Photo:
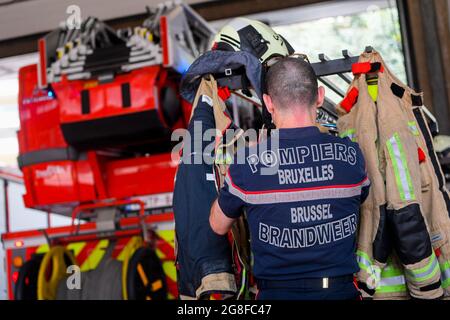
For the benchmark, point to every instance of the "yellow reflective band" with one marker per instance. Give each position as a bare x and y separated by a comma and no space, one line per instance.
427,272
168,236
373,91
169,267
351,134
392,284
401,171
42,248
392,289
445,274
170,270
363,260
391,272
95,256
413,127
159,253
76,247
133,244
223,157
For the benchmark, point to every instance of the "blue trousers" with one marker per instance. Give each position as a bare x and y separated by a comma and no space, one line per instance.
341,291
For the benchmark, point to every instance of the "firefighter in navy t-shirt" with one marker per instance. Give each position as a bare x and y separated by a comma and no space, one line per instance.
302,196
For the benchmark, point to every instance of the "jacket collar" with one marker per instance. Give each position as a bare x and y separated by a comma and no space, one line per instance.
296,133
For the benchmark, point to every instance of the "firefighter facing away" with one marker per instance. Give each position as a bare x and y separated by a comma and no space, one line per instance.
303,218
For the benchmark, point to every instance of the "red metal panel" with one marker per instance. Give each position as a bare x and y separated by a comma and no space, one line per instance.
39,115
140,176
85,252
58,182
9,274
94,166
85,181
106,99
67,182
86,227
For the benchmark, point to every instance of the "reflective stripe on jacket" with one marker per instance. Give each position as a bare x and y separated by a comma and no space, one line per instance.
406,213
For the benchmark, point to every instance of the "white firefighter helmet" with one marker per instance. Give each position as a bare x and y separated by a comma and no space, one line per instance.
255,37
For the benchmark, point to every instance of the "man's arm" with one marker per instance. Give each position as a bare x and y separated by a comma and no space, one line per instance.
219,222
228,207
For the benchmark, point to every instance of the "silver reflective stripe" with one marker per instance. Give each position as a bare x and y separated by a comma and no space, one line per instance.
402,171
392,281
366,183
294,195
363,261
207,99
426,273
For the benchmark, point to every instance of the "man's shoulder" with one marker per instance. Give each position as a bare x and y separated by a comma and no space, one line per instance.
242,158
246,165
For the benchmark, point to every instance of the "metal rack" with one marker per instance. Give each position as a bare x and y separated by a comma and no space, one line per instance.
342,68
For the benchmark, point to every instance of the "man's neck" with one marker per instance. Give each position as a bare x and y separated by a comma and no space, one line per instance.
292,121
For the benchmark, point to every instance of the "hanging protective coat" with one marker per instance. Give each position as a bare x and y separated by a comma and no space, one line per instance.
204,260
405,221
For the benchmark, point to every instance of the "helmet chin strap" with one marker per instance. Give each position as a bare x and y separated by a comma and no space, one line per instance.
267,117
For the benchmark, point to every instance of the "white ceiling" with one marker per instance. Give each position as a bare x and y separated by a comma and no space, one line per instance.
24,17
314,12
9,67
9,116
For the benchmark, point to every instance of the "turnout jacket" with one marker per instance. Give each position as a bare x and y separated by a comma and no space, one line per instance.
403,247
204,259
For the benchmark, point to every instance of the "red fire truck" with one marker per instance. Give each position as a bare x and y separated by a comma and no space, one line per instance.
96,116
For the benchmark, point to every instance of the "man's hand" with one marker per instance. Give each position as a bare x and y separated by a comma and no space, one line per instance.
219,222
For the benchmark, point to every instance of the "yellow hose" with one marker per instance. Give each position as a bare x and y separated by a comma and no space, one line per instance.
134,244
54,258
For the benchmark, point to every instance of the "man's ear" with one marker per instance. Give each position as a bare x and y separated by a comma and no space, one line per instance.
268,102
320,96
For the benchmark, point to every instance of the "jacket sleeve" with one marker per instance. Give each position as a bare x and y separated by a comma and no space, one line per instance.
230,196
365,178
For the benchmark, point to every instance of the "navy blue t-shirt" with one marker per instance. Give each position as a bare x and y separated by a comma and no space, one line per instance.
302,200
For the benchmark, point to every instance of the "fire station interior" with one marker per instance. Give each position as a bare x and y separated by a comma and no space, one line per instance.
87,114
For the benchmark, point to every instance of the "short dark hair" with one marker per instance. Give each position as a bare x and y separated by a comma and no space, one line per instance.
291,82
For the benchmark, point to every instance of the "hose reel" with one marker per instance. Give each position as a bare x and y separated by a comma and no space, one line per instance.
139,276
145,276
26,285
52,270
